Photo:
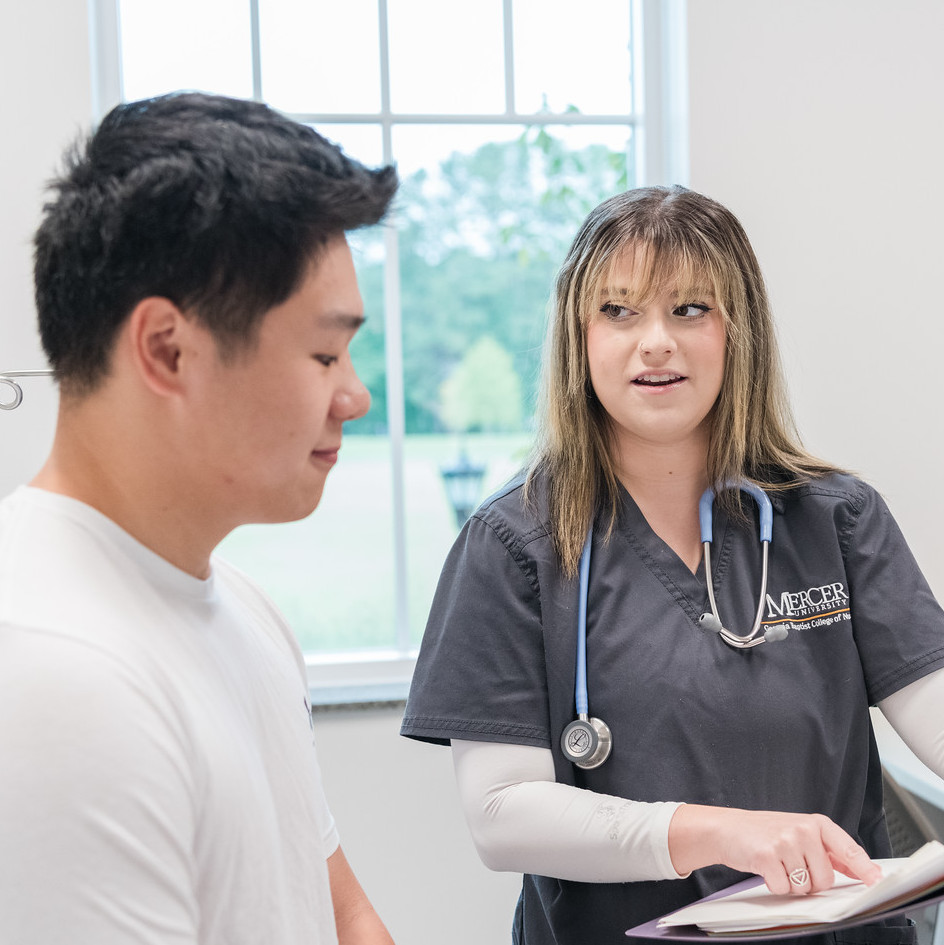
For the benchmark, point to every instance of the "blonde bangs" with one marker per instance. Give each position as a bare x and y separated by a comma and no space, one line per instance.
643,271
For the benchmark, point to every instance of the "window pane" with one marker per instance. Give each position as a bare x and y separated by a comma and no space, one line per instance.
364,143
432,522
185,44
573,55
446,57
320,56
486,216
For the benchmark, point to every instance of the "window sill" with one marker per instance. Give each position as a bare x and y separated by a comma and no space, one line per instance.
359,681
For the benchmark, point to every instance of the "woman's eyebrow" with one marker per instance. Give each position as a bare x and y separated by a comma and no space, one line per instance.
690,292
624,292
613,290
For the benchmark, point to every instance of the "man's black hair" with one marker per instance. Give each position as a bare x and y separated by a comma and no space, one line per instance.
217,204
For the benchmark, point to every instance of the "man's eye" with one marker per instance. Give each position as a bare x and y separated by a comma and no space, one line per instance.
692,310
326,359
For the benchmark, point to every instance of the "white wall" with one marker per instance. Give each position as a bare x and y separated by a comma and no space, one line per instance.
44,71
397,809
819,122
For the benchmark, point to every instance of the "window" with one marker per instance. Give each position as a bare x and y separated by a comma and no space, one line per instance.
509,120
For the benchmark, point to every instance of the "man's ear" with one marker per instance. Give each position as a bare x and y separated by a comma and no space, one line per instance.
160,337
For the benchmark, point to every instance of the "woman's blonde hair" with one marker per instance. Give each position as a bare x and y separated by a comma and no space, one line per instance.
681,240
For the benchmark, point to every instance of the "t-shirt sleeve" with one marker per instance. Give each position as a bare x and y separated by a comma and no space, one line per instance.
899,625
327,826
480,673
97,810
273,622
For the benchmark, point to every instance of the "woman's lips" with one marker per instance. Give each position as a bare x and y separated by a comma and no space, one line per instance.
658,380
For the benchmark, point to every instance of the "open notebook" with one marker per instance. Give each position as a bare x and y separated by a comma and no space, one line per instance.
749,911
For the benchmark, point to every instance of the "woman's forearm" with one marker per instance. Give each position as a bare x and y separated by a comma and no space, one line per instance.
522,820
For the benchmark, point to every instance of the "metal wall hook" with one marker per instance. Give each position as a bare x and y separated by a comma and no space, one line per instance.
7,380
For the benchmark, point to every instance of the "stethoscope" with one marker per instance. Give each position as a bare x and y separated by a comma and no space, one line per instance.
587,741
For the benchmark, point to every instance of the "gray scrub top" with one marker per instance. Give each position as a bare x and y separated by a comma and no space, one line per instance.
784,726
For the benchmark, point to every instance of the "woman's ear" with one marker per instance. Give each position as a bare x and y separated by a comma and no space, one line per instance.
159,336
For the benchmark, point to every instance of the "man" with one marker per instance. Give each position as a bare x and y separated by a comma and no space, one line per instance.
196,300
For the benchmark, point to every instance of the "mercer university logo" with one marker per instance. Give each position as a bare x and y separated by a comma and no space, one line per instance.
817,607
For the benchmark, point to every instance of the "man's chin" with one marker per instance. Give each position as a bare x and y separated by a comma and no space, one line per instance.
283,512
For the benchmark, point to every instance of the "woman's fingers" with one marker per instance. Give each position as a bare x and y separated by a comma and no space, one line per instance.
814,875
781,879
821,875
848,857
810,848
794,853
799,879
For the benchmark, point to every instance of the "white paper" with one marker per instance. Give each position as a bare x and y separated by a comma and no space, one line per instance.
759,908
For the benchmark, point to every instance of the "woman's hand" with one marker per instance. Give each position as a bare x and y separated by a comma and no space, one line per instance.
794,853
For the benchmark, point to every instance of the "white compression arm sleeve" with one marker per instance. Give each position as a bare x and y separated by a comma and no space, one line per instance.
521,820
917,715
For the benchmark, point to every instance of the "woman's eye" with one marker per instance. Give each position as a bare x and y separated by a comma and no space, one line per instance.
692,310
612,310
326,359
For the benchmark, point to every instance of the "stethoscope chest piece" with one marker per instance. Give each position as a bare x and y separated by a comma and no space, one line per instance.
587,742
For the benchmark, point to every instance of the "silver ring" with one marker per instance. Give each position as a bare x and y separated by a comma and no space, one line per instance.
800,876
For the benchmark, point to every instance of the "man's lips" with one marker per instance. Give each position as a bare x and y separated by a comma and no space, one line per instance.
328,455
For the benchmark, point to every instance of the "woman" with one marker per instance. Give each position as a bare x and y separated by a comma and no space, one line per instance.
663,380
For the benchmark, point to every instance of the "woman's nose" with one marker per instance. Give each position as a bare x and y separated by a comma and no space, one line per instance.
656,341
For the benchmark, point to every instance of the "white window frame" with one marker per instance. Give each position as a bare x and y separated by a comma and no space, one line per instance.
659,120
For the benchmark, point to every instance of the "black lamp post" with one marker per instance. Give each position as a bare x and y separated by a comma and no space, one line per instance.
463,482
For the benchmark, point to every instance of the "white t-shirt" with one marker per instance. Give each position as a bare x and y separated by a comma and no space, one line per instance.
158,778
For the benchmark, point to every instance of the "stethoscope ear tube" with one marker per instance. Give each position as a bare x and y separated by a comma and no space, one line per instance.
712,621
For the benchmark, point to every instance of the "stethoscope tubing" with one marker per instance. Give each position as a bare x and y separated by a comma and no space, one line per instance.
705,521
582,700
709,621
